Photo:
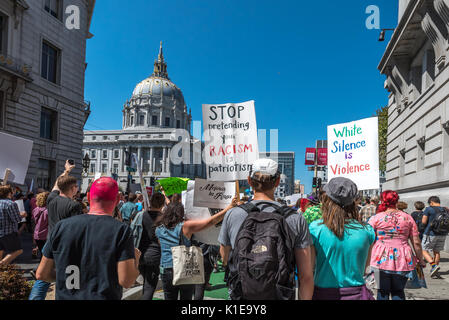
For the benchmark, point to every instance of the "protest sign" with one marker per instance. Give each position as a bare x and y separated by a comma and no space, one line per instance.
15,155
173,185
208,236
213,194
21,208
231,145
353,152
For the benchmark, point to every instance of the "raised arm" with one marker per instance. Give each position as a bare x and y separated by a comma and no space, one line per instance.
192,226
68,169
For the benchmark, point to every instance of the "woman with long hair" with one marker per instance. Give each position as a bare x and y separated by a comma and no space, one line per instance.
341,244
169,232
392,258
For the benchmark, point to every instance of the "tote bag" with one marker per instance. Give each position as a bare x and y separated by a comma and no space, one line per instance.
417,281
188,264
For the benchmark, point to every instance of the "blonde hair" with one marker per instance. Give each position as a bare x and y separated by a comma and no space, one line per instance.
41,199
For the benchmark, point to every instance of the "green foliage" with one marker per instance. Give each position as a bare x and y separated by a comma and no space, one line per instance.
12,284
382,114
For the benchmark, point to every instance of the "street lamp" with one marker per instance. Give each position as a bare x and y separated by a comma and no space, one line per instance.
382,34
86,164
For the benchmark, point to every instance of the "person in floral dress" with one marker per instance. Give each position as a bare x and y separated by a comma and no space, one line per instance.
392,258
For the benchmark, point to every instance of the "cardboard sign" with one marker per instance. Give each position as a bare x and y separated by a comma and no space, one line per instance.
353,152
231,144
213,194
173,185
15,155
208,236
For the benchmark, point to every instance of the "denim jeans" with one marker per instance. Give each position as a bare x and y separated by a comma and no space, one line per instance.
39,291
391,284
171,292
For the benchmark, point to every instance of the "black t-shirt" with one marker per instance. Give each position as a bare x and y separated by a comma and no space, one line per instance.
93,245
61,208
149,245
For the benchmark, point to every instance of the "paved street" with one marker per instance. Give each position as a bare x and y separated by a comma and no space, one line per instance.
438,288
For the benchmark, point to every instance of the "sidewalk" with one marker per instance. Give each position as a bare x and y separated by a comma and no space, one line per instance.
437,288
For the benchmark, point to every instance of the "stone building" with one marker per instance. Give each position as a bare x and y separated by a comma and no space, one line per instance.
153,120
416,64
42,66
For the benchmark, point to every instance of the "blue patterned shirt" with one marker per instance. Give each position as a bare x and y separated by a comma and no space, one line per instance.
9,217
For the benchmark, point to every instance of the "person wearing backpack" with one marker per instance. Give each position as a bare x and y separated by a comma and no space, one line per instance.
436,222
144,231
264,241
417,216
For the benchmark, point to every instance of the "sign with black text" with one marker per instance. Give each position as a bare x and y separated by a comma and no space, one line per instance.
231,145
213,194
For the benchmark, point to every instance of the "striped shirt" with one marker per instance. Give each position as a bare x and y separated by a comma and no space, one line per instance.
9,217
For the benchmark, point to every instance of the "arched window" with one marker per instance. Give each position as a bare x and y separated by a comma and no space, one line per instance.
141,120
132,121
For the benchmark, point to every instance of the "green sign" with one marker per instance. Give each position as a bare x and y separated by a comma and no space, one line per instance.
173,185
129,169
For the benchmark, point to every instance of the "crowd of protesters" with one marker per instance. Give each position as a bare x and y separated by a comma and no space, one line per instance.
335,238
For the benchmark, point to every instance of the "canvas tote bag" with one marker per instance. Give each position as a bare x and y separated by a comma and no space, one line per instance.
188,265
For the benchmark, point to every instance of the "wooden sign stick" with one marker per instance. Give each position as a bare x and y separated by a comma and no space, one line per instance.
5,178
237,190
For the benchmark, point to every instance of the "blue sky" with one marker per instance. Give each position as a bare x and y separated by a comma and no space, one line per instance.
307,64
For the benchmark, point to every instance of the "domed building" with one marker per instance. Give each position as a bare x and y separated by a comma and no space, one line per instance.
153,120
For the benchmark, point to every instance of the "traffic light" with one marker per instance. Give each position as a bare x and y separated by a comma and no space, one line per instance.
314,182
152,181
319,183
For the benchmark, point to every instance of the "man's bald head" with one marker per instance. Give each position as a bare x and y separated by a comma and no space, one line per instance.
104,194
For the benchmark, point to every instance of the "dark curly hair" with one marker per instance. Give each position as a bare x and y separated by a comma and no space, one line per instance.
173,214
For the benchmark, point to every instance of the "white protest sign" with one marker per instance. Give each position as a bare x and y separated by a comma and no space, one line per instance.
213,194
353,152
15,155
21,208
208,236
231,145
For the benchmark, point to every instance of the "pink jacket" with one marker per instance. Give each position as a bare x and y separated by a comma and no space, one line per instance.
40,216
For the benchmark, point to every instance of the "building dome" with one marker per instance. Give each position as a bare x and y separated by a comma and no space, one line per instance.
156,102
157,88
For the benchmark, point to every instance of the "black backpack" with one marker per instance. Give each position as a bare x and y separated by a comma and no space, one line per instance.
262,263
440,224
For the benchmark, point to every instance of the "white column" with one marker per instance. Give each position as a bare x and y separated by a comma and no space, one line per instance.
151,160
164,162
111,156
98,166
160,116
139,156
168,160
121,161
